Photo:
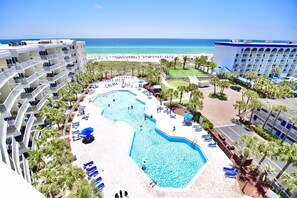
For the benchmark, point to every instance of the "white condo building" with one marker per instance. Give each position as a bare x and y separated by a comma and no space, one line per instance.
31,72
258,57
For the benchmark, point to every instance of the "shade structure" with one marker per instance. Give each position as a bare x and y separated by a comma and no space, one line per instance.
87,131
188,116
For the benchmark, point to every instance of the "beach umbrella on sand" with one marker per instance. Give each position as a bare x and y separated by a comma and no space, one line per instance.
188,116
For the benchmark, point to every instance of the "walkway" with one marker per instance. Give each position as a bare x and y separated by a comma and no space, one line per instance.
110,152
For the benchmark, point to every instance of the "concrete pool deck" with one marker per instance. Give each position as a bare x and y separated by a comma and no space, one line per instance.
111,147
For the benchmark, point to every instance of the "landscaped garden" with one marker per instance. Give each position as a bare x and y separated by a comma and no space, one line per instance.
189,71
179,82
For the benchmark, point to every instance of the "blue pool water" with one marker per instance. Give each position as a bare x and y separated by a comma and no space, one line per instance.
170,162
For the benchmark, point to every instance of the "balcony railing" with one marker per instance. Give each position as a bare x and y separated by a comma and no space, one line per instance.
15,155
28,63
8,103
28,129
56,77
39,105
31,78
70,60
58,86
39,121
7,74
53,67
3,155
69,51
16,124
35,92
52,56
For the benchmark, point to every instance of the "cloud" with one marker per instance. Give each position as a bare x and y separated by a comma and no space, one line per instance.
98,6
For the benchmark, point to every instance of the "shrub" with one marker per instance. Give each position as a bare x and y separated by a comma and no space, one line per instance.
206,124
223,96
265,133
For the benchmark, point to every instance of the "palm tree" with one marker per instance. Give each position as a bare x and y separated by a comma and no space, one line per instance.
275,71
280,108
255,104
185,59
223,84
36,160
196,100
192,87
234,74
75,88
212,65
175,61
182,89
251,95
271,108
250,75
293,121
265,149
287,152
84,189
241,106
243,90
291,182
170,93
247,144
196,61
214,82
268,169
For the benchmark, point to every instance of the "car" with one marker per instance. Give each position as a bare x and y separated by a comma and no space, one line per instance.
235,87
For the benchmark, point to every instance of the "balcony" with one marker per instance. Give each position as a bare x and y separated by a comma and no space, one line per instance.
35,136
53,67
58,86
57,97
57,76
68,51
29,126
28,63
70,60
6,75
30,79
70,67
39,104
8,103
3,150
15,156
34,92
15,125
52,56
39,121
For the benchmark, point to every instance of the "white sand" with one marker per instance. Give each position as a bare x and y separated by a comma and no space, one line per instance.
110,152
144,57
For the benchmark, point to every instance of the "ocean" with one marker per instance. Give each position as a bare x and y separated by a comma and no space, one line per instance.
144,46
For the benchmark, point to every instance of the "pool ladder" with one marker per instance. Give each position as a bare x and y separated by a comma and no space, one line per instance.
153,183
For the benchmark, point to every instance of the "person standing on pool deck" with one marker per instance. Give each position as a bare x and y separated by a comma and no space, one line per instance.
131,106
128,107
173,128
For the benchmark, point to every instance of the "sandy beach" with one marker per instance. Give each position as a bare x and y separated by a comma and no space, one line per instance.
143,57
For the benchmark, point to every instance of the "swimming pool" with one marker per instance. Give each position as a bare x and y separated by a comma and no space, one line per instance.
170,162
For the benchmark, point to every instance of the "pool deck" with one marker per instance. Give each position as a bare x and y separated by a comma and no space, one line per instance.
111,147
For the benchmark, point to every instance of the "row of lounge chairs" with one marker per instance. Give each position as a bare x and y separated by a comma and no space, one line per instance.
198,127
111,85
208,138
92,91
230,172
91,172
113,80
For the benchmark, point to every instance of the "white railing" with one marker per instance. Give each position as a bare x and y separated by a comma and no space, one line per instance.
21,113
39,121
53,67
15,155
28,63
7,105
3,150
56,77
34,93
40,104
26,170
6,75
29,125
59,86
35,136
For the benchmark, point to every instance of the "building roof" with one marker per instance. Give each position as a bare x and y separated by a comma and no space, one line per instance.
258,44
290,103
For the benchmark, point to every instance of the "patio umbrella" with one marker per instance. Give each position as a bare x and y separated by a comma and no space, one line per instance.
87,131
94,83
188,116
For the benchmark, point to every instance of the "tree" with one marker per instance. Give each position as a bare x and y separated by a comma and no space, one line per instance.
185,59
287,152
175,61
170,93
223,84
36,160
214,82
196,100
241,106
251,95
291,182
275,71
293,121
84,189
268,169
212,66
192,87
182,89
255,104
250,75
280,108
234,74
196,62
271,108
247,144
265,149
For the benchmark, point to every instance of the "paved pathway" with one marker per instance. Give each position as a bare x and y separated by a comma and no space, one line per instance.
110,152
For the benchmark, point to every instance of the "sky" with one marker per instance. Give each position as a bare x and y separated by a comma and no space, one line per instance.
209,19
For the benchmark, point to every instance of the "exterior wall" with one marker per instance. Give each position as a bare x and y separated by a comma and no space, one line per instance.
243,57
282,125
29,74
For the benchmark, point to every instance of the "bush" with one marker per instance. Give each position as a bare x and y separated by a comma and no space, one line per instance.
265,133
206,124
223,96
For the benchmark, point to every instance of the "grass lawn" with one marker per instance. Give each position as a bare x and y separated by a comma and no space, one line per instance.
179,82
189,71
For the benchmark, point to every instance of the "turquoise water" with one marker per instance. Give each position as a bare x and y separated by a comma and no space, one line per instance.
170,162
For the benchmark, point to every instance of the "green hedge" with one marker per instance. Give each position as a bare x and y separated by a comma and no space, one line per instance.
206,124
223,96
265,133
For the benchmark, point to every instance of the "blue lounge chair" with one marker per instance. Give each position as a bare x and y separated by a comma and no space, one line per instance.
230,169
198,129
208,139
214,144
75,124
90,175
206,136
91,169
97,180
76,132
231,174
100,186
90,163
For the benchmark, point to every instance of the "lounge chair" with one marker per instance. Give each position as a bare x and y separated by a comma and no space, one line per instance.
90,175
208,139
205,136
90,163
97,180
198,129
75,132
100,186
230,169
214,144
231,174
91,169
75,124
